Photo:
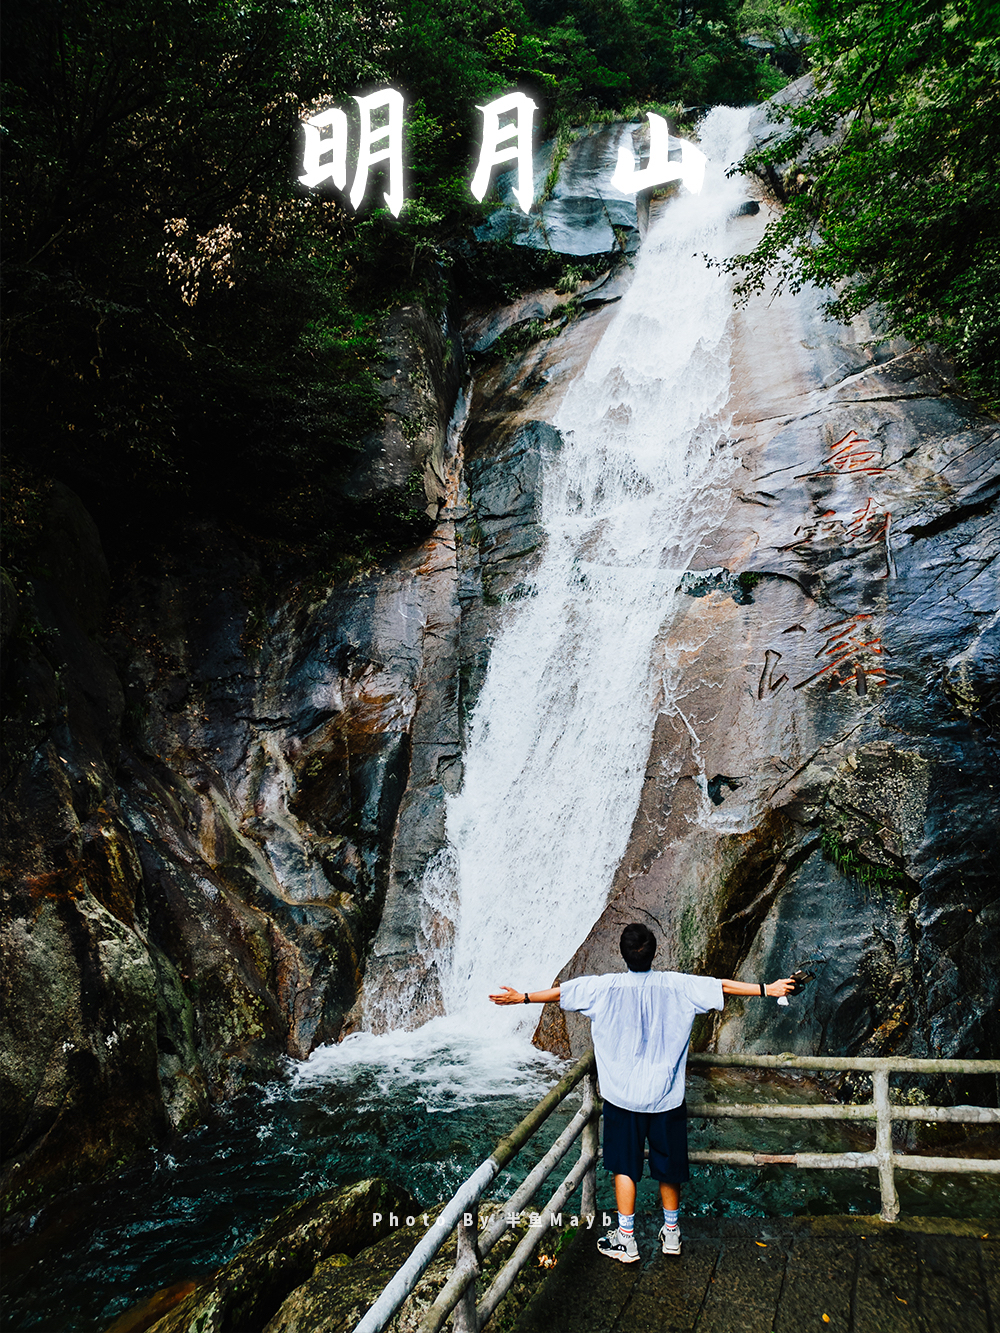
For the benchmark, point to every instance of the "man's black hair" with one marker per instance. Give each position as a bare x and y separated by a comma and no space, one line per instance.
638,946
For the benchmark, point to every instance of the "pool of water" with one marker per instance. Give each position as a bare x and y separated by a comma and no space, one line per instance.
425,1122
421,1109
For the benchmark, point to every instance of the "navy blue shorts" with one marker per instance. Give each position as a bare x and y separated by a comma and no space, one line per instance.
625,1136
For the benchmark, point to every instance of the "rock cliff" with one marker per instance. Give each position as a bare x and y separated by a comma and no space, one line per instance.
222,791
203,778
826,786
222,788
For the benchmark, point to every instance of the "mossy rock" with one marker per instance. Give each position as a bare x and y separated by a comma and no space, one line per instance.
337,1296
319,1234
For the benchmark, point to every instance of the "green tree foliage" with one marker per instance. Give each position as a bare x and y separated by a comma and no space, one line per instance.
184,325
699,59
178,323
775,24
889,175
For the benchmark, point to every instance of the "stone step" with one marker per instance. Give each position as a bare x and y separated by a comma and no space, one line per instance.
842,1274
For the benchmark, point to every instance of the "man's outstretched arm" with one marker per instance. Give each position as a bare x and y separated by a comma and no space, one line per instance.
787,986
509,996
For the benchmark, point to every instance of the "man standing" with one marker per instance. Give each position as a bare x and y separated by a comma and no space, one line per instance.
641,1025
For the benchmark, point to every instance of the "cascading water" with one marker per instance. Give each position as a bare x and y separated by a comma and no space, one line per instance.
561,730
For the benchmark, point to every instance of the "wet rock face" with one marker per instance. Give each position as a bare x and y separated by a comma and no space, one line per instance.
80,985
831,791
583,210
276,837
320,1236
202,781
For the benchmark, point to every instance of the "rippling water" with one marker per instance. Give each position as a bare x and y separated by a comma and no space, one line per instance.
364,1108
176,1214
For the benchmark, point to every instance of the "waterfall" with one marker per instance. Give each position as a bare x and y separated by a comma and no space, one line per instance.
560,734
561,730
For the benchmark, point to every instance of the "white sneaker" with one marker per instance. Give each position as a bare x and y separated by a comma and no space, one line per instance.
617,1246
670,1239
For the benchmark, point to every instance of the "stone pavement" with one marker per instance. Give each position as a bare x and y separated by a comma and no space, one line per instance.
786,1275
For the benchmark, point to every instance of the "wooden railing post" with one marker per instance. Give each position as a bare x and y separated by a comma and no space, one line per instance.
467,1255
589,1141
462,1209
883,1145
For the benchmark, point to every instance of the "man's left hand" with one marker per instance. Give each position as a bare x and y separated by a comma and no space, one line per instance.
787,986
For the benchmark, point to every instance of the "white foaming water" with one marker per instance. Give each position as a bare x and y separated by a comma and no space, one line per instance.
560,734
561,731
446,1065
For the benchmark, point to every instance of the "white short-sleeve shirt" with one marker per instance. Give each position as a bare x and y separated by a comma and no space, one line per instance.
641,1026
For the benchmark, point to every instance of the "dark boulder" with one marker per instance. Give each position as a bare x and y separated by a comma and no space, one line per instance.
314,1237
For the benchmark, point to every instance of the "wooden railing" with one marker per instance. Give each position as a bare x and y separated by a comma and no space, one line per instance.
462,1212
458,1297
880,1109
